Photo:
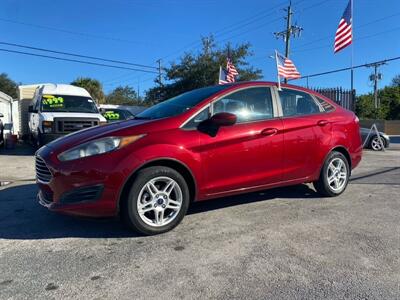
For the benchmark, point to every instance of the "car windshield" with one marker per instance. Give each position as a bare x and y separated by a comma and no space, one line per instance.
67,103
113,115
179,104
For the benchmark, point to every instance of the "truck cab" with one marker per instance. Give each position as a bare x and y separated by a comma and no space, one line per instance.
59,109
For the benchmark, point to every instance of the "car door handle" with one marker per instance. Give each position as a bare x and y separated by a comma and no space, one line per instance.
269,131
322,122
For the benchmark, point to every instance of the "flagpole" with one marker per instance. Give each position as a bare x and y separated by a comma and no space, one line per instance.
277,70
352,48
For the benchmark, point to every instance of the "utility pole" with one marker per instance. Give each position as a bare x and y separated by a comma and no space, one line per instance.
375,77
289,31
159,72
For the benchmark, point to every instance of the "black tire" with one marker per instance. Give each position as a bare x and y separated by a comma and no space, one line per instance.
375,139
129,211
322,186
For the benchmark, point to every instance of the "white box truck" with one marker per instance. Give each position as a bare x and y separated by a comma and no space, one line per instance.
5,116
58,109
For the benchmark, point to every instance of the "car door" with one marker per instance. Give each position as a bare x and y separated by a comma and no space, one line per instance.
306,129
248,153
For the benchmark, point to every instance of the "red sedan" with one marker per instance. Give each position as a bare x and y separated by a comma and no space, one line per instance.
207,143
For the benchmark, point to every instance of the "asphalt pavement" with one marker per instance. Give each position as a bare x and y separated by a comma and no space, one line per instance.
285,243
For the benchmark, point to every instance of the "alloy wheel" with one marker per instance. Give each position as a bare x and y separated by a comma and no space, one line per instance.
337,174
375,144
159,201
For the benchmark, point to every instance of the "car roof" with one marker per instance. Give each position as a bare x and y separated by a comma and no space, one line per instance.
64,89
283,85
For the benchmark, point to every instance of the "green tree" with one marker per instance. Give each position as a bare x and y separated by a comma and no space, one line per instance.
123,95
93,86
8,86
396,81
196,70
389,108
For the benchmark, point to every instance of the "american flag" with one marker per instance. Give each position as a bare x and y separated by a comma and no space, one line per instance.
286,67
231,71
344,33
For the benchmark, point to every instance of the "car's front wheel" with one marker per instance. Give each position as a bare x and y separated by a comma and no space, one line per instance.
334,175
157,202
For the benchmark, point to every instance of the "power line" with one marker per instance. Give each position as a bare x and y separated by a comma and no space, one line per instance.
356,39
357,27
223,31
349,68
253,20
76,61
78,55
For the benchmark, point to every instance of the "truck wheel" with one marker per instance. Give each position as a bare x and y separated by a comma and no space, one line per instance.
157,202
334,175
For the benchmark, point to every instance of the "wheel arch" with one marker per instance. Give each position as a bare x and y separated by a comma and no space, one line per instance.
340,149
172,163
344,151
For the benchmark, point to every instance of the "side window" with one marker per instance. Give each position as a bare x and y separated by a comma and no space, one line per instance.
325,105
250,104
296,103
201,116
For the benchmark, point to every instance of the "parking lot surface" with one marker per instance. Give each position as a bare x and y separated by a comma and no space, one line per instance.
285,243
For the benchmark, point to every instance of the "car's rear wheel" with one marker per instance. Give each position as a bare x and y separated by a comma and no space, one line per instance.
375,144
157,202
334,175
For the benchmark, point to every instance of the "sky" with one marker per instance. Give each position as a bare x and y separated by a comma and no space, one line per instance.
143,31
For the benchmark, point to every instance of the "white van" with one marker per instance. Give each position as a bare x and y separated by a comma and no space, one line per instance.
59,109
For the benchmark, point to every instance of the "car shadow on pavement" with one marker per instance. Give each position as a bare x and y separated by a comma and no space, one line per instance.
21,217
290,192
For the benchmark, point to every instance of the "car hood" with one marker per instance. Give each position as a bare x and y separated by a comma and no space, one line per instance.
82,136
49,116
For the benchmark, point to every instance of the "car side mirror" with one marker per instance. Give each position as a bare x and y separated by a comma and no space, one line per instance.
212,125
31,110
223,119
1,115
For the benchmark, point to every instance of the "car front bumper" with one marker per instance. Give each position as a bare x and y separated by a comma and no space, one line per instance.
88,187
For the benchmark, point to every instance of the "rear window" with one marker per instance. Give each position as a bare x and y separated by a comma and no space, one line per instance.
325,105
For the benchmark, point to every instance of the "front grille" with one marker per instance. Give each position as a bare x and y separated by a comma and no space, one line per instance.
73,124
89,193
43,173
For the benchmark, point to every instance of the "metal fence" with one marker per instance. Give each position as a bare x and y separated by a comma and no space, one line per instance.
343,97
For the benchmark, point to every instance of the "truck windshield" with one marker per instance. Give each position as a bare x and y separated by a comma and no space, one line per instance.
179,104
67,103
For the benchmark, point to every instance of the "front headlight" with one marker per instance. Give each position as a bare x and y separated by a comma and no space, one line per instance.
99,146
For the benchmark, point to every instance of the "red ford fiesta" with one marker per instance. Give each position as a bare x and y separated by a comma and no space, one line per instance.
207,143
